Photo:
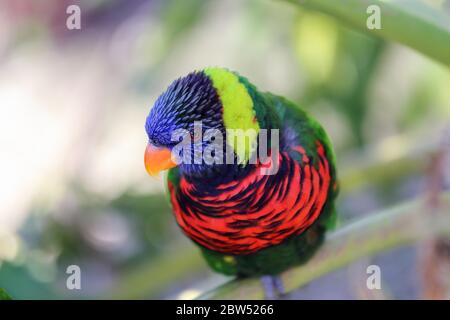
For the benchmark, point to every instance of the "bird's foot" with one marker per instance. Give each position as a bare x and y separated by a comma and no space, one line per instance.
273,287
278,283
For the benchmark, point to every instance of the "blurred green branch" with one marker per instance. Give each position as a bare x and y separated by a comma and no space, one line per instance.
404,224
370,170
411,22
4,295
153,276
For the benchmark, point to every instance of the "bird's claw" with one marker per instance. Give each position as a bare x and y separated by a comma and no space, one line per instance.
273,287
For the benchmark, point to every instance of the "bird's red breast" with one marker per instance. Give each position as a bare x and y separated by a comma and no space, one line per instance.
258,211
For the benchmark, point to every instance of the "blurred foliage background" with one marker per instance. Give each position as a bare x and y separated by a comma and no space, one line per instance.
73,103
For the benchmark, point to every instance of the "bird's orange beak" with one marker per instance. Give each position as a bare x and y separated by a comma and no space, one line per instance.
157,159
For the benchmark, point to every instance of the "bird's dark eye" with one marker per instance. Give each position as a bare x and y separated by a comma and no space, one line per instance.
154,142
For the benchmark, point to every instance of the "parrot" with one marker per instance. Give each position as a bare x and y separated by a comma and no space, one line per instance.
247,221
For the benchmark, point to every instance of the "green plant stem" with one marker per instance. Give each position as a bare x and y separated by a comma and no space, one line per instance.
4,295
410,22
372,171
153,276
404,224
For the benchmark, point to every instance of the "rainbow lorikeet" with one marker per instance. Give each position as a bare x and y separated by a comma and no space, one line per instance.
246,222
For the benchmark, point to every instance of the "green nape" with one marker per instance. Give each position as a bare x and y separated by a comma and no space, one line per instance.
238,112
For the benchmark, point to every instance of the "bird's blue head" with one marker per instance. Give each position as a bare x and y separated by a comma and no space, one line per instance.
215,98
186,100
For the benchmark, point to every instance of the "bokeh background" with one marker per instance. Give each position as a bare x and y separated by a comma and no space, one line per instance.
73,189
